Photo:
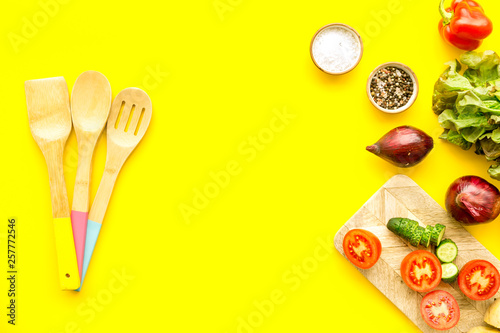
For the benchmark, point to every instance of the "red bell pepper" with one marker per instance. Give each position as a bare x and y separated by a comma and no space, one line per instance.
464,24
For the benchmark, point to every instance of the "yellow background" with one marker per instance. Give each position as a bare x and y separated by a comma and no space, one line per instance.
222,73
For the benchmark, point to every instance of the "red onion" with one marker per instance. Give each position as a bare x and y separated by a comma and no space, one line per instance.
403,146
472,200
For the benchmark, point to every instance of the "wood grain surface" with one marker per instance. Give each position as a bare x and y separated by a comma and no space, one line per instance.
402,197
49,115
128,121
90,106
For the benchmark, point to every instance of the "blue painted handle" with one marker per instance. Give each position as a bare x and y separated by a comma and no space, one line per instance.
93,229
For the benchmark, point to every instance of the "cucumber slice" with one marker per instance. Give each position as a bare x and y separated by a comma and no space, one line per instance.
426,237
437,234
450,272
402,226
417,235
394,225
408,231
447,251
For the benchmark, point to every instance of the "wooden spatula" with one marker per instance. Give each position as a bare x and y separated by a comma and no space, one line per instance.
128,121
90,105
50,124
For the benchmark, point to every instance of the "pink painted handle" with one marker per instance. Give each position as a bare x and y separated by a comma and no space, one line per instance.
79,223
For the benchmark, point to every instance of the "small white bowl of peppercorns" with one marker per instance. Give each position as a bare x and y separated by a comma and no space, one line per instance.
392,87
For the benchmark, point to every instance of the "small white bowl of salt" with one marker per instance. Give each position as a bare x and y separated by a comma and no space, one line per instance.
336,48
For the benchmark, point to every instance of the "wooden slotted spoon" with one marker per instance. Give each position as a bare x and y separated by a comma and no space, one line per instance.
49,116
128,121
90,105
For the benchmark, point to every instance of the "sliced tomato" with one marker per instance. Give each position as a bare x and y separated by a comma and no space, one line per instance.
421,271
440,310
362,248
479,280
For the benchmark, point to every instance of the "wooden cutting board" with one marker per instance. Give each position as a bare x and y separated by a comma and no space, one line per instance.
402,197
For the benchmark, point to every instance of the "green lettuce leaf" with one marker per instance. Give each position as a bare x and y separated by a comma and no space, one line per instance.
494,119
494,172
447,87
468,105
479,150
482,67
448,119
457,139
470,102
451,80
492,105
495,135
472,134
490,148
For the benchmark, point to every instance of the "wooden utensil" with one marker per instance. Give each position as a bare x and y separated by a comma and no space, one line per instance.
90,105
402,197
128,121
49,116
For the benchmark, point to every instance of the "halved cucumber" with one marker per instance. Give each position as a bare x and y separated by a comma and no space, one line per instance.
410,228
396,225
447,251
417,235
437,234
426,237
450,272
393,224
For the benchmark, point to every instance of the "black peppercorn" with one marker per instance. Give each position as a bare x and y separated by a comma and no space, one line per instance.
392,86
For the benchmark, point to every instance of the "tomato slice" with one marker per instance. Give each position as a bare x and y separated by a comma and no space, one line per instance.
421,271
440,310
362,248
479,280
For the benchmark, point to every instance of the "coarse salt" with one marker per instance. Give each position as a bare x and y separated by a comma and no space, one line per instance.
336,49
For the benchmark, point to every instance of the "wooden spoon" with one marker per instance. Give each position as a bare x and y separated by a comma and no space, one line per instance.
90,105
50,124
128,121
